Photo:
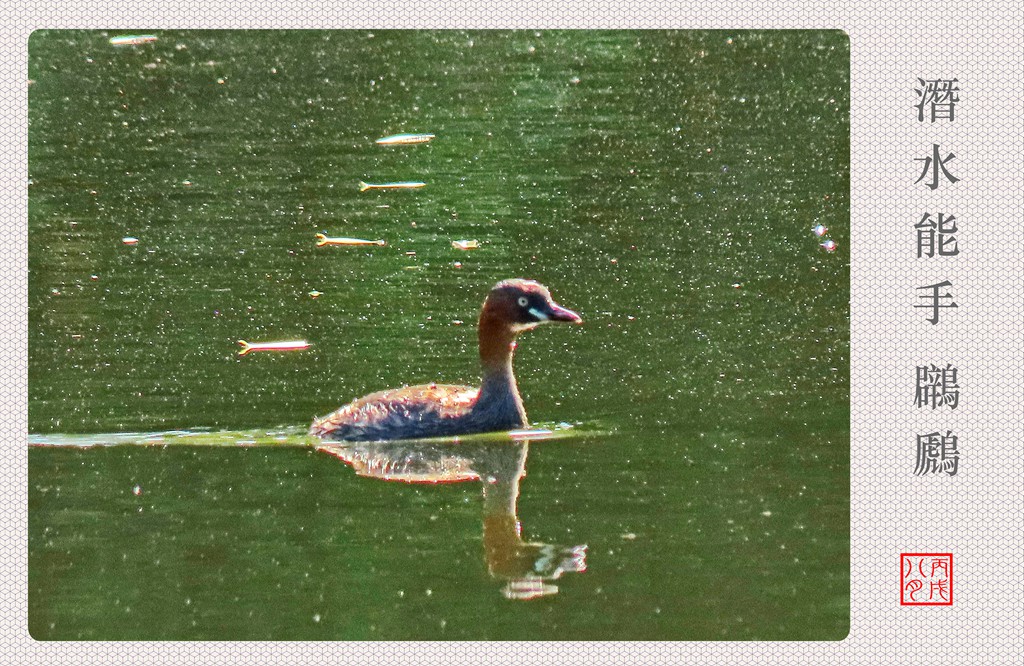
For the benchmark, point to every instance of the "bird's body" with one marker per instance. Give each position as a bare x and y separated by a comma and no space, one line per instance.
441,410
430,410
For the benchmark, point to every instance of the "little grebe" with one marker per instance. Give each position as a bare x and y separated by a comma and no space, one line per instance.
436,410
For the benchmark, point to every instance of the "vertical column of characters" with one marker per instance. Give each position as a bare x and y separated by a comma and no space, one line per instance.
936,241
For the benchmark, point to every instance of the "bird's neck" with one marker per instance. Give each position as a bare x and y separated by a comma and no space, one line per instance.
497,345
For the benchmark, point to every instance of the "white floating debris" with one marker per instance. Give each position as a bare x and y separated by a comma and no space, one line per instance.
132,40
287,345
404,139
322,240
405,185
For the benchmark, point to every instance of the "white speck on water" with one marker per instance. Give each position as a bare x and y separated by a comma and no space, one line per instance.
137,490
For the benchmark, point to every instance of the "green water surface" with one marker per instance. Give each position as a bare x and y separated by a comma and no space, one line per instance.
662,184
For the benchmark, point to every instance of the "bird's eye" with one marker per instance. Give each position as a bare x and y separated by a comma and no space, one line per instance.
523,302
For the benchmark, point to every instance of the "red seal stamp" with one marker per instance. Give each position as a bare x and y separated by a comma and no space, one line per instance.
926,579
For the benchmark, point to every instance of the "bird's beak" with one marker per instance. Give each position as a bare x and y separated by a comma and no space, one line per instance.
557,313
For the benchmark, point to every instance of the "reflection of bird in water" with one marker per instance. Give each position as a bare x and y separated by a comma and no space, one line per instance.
437,410
527,567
